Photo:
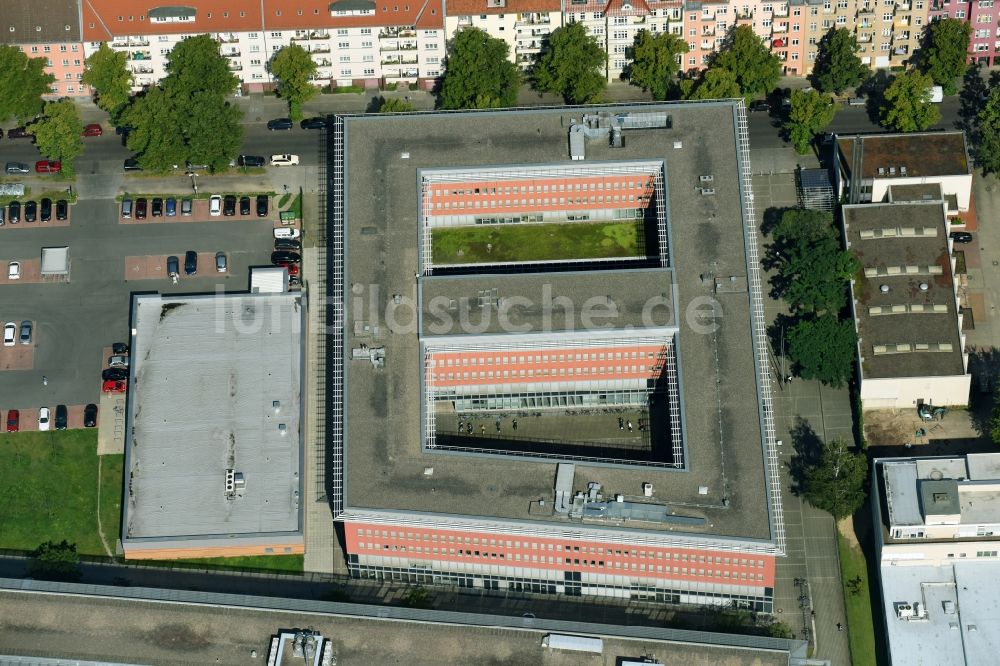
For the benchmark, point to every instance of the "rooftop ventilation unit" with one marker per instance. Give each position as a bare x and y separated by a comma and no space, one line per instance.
235,483
647,490
707,191
924,286
892,171
881,171
706,179
884,288
902,170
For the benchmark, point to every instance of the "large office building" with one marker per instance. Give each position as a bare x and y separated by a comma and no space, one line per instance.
937,522
551,374
213,458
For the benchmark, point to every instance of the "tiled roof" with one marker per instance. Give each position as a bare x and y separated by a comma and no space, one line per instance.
626,8
467,7
105,19
36,21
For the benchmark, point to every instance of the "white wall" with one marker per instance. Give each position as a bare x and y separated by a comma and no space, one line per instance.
904,392
960,186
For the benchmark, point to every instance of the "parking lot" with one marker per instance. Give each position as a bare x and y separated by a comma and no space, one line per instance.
77,318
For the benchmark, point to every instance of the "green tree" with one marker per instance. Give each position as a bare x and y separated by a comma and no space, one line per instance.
838,66
944,52
713,83
809,114
23,81
823,348
293,66
478,74
988,148
109,76
395,105
156,121
756,69
908,106
213,130
836,483
196,64
416,597
55,561
654,61
58,134
571,64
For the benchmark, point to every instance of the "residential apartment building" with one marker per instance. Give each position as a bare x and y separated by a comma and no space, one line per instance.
49,30
984,19
523,24
353,42
937,522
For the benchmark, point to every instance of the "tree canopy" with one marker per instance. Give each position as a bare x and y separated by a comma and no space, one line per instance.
988,121
755,68
712,83
943,53
836,482
55,561
838,66
571,64
23,81
809,114
293,66
823,348
196,64
108,74
907,106
478,74
395,105
653,61
58,133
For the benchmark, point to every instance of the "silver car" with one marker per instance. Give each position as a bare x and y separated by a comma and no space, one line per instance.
15,168
26,332
221,264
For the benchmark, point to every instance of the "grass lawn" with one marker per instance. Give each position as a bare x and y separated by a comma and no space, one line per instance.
278,563
48,490
859,609
536,242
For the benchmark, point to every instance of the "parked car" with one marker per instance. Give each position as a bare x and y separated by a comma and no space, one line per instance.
123,130
48,166
283,256
173,269
313,123
118,361
262,200
9,334
14,270
132,164
250,161
119,348
19,133
287,244
62,417
90,416
15,168
26,332
157,207
127,206
961,236
45,209
221,263
13,420
114,374
215,205
62,209
284,160
43,419
229,205
14,212
3,214
140,209
30,211
114,386
760,105
186,206
93,129
287,232
171,207
292,267
191,262
244,205
280,124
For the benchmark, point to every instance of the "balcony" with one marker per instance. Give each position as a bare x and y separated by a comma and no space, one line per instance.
528,19
402,74
319,34
235,67
231,53
901,50
300,36
902,37
125,43
391,33
529,45
227,38
323,63
866,10
864,38
902,6
902,21
779,28
463,22
708,31
319,49
142,69
140,55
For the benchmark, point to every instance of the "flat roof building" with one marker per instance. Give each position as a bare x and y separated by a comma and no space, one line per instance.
213,459
911,345
553,369
937,525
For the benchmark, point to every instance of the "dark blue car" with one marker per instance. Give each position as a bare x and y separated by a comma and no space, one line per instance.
190,262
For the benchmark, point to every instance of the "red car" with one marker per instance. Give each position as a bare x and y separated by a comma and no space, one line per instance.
293,268
93,129
48,166
13,420
113,386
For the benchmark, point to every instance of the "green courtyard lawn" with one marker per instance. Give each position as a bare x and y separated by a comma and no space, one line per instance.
48,490
857,601
275,563
536,242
